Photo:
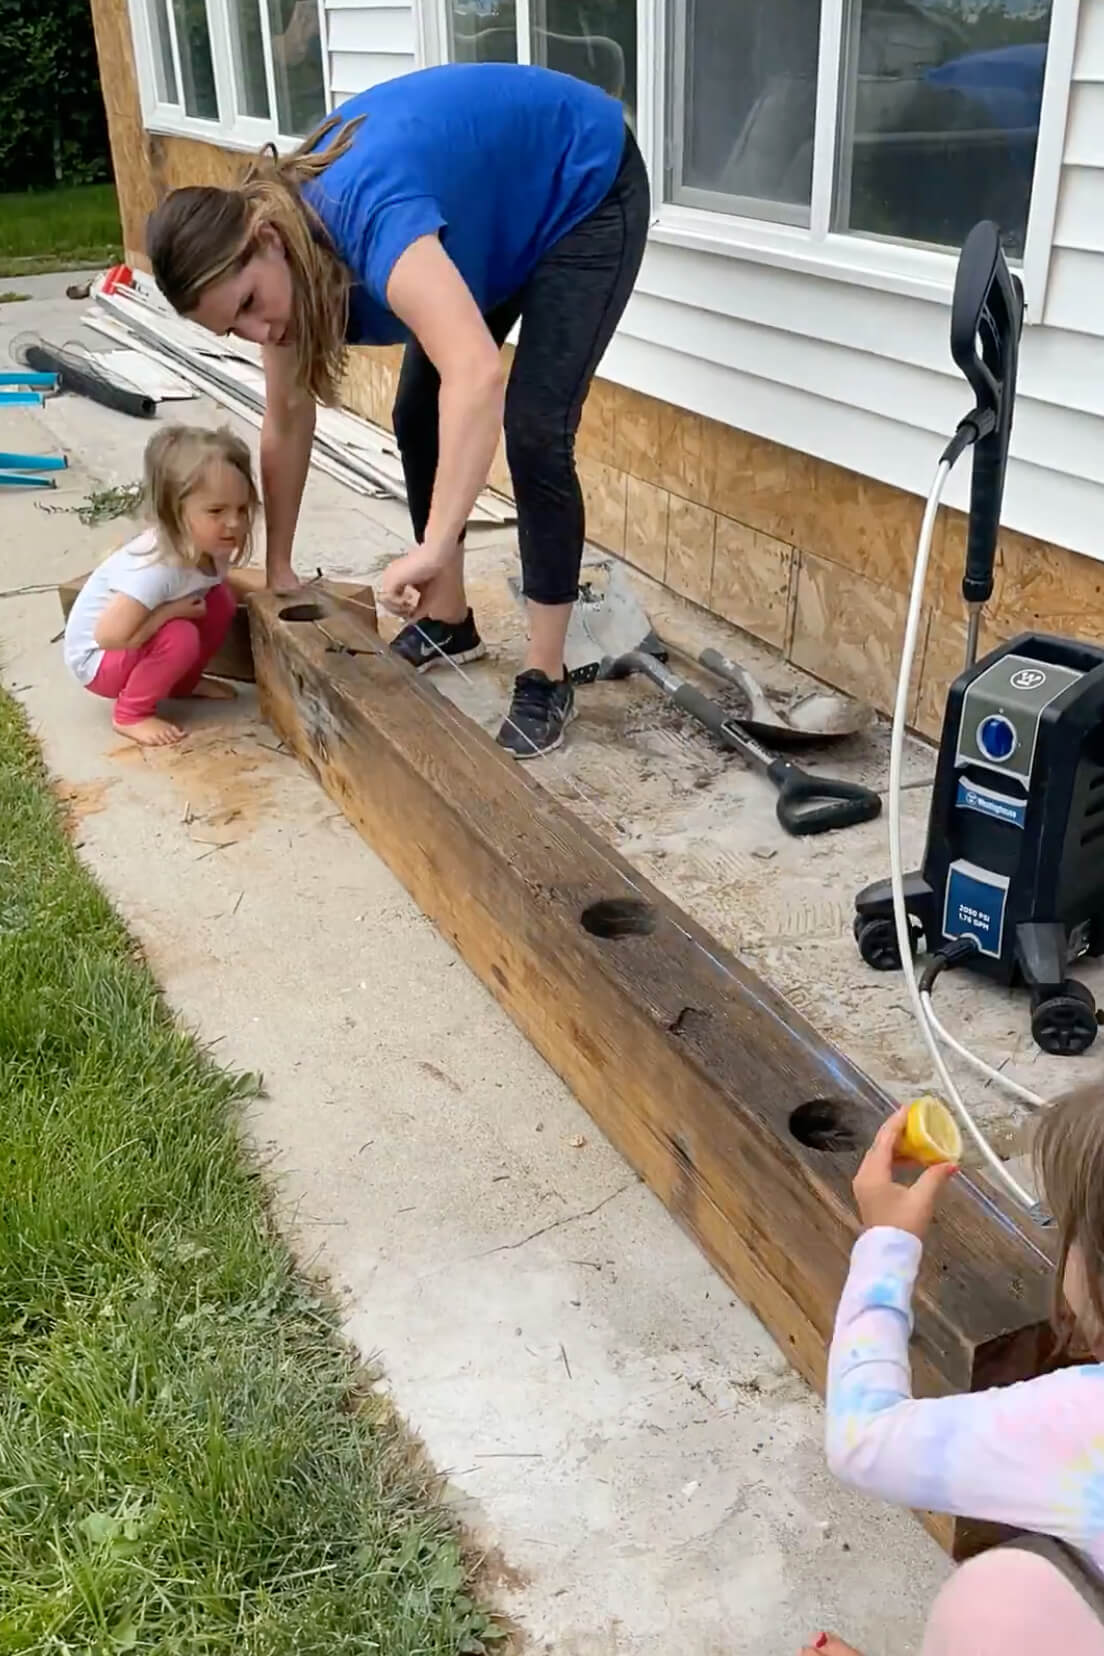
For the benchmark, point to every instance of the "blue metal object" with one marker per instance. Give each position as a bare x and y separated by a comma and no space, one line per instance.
25,471
34,462
30,388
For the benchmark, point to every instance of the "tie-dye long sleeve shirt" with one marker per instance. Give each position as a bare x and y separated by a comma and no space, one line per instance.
1030,1455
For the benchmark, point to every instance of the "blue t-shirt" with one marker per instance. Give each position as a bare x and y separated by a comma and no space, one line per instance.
499,159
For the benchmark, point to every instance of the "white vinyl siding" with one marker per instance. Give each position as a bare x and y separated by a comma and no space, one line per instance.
368,43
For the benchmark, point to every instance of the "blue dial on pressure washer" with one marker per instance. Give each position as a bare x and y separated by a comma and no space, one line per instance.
996,738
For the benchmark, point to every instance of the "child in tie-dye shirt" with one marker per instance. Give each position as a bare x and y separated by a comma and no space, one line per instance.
1030,1456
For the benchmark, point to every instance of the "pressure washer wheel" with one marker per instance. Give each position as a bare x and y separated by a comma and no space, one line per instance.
877,940
1066,1024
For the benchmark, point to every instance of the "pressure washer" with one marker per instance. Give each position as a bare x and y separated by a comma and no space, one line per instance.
1012,881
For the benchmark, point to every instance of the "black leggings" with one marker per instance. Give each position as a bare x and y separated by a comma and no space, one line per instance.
569,309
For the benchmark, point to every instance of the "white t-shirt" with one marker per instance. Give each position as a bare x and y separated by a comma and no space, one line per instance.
136,571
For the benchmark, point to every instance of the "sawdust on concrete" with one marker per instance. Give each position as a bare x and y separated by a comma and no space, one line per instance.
82,799
225,781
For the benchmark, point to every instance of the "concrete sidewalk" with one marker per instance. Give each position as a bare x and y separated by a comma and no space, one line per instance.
624,1439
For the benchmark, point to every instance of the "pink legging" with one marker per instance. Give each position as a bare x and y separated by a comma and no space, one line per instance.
169,664
1009,1602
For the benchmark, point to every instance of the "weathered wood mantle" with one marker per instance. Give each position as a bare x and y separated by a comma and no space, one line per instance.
688,1062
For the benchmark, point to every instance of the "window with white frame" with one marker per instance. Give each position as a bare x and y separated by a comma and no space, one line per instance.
248,68
932,113
593,39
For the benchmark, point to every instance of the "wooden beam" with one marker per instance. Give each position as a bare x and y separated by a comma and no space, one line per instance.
704,1077
234,660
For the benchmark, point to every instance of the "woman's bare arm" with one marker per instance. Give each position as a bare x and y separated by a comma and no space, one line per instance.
428,294
286,437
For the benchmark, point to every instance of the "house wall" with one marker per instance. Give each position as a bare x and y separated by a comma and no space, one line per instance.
781,488
369,41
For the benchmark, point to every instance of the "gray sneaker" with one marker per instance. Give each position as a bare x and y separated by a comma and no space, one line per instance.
540,711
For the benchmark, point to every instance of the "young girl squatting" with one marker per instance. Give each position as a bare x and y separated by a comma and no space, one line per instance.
149,619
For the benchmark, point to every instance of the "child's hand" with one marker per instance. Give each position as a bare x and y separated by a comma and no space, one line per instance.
883,1202
192,608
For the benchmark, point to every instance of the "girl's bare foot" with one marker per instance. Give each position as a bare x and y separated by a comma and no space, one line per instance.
151,732
212,689
828,1645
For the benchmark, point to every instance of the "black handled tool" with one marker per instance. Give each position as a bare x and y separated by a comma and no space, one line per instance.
807,804
986,322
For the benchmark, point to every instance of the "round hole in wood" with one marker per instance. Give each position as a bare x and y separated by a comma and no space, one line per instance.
302,612
619,917
827,1124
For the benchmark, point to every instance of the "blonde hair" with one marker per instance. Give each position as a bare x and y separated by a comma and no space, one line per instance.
200,235
1069,1161
177,459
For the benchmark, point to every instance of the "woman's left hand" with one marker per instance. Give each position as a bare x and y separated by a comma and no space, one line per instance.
405,584
881,1200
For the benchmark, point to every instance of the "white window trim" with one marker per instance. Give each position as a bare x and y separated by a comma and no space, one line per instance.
1049,153
864,261
235,131
429,33
918,272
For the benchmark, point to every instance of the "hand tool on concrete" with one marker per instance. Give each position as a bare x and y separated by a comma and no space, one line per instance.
610,636
807,804
807,717
609,620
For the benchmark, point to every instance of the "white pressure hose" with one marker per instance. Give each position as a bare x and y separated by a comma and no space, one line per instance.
1024,1094
921,1004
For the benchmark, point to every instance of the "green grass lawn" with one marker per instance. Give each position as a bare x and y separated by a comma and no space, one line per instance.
189,1460
59,230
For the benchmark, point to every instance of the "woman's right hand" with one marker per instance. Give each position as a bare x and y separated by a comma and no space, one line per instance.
881,1200
406,585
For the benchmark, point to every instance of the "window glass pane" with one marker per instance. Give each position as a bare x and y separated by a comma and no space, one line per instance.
297,66
196,69
596,42
482,31
743,91
940,117
163,68
247,42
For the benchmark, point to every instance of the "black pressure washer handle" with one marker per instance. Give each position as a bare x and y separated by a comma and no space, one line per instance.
842,804
986,322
